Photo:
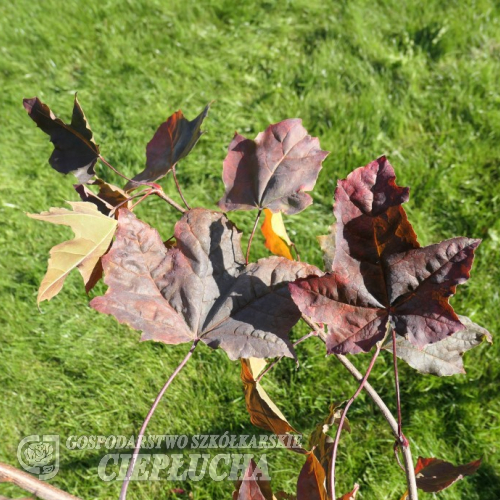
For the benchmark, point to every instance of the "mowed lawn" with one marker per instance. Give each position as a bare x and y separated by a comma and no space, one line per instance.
417,81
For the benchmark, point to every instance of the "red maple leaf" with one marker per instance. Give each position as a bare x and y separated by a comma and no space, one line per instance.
380,274
200,289
273,171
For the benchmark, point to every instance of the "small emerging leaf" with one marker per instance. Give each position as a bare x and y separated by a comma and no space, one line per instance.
321,442
444,358
274,231
93,234
274,171
435,475
351,495
75,150
173,141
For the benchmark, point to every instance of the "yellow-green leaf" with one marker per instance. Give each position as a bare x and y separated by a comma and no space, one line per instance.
93,234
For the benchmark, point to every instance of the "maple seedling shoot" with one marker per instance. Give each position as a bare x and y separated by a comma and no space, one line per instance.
379,290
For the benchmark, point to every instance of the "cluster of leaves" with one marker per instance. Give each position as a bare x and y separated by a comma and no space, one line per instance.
433,475
199,285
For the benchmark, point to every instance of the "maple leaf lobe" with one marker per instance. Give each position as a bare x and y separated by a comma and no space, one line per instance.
443,358
373,188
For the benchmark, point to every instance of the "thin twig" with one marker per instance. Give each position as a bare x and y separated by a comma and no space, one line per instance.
343,416
276,361
169,200
27,482
402,438
297,255
114,169
252,234
123,492
145,195
177,185
407,457
157,188
396,455
111,213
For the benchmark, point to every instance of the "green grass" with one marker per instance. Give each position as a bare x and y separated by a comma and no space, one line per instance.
416,81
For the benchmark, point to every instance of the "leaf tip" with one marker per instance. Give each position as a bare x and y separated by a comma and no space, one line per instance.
28,103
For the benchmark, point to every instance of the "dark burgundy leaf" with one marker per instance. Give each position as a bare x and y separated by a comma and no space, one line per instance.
173,141
311,483
74,148
273,171
200,289
379,273
254,485
434,475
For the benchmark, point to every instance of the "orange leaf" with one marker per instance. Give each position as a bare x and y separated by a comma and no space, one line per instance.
351,495
274,232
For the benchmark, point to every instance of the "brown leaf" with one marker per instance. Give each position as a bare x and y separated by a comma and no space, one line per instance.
253,367
274,171
311,483
254,485
93,234
173,141
379,273
75,150
444,358
351,495
263,412
96,275
274,231
435,475
108,197
201,289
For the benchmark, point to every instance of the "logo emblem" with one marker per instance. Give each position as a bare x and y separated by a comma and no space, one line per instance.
39,455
